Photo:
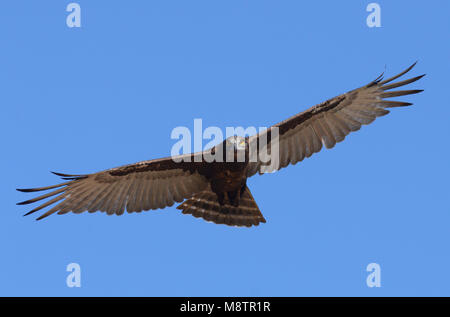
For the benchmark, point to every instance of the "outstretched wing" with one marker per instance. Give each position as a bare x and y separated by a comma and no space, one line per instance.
136,187
327,123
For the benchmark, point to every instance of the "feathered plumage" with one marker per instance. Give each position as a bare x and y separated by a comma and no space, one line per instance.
218,191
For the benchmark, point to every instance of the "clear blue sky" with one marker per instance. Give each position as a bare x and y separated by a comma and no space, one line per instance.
110,93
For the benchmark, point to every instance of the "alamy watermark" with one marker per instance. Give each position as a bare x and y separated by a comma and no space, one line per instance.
74,278
374,18
374,278
241,145
74,17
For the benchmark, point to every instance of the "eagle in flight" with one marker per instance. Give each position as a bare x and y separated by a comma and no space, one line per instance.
217,190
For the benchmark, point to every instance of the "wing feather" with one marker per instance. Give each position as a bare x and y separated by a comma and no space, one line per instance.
331,121
146,203
136,187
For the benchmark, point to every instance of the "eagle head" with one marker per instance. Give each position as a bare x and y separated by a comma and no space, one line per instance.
238,143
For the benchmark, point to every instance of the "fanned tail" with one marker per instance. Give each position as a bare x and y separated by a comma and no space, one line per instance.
206,205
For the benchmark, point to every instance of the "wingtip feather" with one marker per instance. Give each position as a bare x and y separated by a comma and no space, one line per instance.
29,213
66,175
398,75
24,190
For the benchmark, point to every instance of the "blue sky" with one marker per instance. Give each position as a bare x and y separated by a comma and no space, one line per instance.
80,100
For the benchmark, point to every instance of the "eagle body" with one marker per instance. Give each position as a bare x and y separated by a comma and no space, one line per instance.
228,182
227,199
216,190
229,177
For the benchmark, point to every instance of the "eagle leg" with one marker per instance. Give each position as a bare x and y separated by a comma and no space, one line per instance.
221,198
233,197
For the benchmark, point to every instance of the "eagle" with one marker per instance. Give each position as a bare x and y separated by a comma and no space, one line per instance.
216,190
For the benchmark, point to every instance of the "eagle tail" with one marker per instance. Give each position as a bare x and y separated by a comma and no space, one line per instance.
205,205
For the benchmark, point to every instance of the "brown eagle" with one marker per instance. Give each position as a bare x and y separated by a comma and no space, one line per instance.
217,190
